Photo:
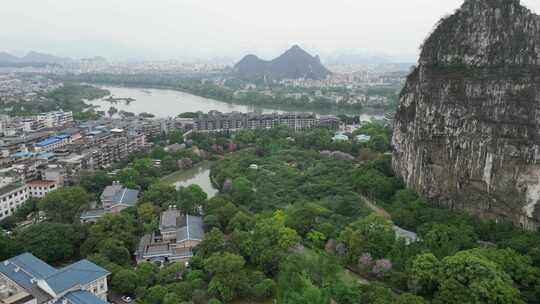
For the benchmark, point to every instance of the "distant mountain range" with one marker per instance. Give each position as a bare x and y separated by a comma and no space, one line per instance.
31,58
293,64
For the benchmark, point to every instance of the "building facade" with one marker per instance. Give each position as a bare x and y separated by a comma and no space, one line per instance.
12,196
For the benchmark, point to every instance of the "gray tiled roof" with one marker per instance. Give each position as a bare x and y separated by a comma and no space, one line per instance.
126,197
169,219
192,231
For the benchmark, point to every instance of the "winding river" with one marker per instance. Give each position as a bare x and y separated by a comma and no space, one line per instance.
169,103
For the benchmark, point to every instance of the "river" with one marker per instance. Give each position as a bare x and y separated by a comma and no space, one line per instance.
198,175
169,103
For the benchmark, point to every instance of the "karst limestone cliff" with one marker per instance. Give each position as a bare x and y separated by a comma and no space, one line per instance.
467,129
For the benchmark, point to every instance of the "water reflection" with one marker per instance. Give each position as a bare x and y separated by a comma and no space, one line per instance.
198,175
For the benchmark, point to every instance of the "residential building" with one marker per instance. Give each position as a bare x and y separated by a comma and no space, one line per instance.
52,143
12,196
25,279
216,121
40,188
177,236
55,119
114,199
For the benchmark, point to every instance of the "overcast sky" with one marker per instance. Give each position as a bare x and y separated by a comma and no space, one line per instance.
190,29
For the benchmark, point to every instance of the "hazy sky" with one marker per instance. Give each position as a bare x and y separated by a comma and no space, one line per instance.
189,29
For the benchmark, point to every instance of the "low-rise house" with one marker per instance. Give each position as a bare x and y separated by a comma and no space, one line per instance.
177,236
340,137
114,199
362,138
25,279
40,188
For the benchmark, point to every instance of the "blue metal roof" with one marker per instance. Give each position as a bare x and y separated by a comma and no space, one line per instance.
51,140
80,273
62,136
82,297
32,265
23,154
46,142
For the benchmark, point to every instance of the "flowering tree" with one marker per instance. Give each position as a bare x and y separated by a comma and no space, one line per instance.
381,267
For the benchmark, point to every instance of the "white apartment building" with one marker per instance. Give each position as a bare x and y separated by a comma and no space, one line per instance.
40,188
56,118
12,196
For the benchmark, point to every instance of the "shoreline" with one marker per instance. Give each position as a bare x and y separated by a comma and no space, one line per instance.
340,109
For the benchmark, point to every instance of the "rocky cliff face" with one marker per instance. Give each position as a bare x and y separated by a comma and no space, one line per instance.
467,130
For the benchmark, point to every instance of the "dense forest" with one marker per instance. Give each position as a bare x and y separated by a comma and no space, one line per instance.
299,219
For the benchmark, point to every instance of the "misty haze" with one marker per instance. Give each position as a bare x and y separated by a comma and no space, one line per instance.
270,152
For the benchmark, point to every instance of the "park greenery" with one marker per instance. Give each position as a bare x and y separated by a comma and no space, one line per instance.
69,97
297,220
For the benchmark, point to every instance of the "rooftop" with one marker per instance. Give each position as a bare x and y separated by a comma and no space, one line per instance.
44,282
41,183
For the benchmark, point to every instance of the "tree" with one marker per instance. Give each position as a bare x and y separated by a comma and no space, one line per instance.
160,194
29,207
129,177
444,240
171,273
191,199
155,295
303,218
374,184
147,273
8,248
147,215
465,278
227,271
115,251
408,298
271,242
372,234
242,191
213,242
241,221
64,204
96,182
122,227
425,271
296,284
125,282
517,266
265,289
51,242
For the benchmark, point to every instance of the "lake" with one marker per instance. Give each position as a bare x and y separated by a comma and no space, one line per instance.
169,103
198,175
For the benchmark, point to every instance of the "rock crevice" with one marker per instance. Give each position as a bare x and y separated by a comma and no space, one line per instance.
467,130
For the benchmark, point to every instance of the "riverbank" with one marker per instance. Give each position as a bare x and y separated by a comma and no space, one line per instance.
198,175
169,103
226,96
